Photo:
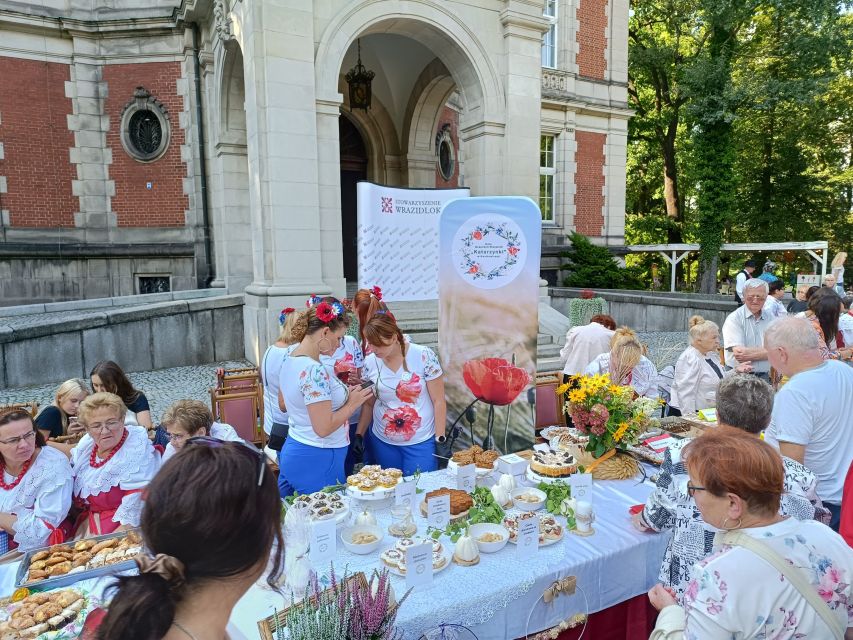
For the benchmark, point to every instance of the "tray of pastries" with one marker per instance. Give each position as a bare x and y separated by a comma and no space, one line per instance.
373,482
460,502
485,461
550,529
59,614
65,564
324,506
395,557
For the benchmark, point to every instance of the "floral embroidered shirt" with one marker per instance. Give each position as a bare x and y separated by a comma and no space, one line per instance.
304,381
736,594
403,411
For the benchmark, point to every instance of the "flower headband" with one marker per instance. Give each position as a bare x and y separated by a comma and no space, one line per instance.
328,311
284,313
376,292
313,300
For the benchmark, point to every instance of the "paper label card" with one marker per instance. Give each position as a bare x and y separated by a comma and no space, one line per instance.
323,542
404,494
438,511
466,478
419,565
581,484
660,443
528,537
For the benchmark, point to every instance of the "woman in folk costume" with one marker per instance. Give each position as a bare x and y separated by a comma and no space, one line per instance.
112,465
35,487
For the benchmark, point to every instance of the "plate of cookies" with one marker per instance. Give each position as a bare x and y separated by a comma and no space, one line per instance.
485,461
395,557
57,613
325,506
65,564
373,482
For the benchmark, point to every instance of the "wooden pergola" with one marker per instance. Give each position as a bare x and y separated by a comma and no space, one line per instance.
675,253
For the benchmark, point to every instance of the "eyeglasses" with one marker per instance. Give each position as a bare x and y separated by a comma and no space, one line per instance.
110,425
691,489
29,435
176,437
755,298
215,443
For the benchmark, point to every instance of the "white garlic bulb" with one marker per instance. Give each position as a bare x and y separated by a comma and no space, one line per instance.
501,495
507,482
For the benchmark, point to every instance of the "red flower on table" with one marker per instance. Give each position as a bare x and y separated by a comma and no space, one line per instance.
401,423
494,380
477,235
409,391
325,313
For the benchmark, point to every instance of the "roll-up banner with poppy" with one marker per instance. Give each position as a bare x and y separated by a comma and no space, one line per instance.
489,319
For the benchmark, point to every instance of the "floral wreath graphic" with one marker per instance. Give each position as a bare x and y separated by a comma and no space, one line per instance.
470,264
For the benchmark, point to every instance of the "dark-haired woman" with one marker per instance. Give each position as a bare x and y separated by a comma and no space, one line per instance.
36,484
210,524
409,410
108,376
113,463
823,312
319,404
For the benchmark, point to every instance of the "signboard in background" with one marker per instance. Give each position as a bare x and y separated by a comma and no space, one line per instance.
398,239
489,316
808,280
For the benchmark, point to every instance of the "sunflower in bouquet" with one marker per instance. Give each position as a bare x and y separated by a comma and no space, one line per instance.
608,413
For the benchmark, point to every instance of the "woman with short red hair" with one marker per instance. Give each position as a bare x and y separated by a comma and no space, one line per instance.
802,569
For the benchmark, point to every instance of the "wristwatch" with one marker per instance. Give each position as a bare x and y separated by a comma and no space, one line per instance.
441,439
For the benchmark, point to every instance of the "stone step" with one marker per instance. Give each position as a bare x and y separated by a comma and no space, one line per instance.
549,364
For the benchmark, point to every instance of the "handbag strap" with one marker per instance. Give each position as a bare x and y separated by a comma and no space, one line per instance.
794,575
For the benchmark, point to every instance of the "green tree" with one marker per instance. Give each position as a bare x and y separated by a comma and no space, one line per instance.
589,265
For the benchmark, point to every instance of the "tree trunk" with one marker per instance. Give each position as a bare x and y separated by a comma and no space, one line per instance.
708,281
671,195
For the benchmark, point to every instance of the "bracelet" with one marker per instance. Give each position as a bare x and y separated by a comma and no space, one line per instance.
441,439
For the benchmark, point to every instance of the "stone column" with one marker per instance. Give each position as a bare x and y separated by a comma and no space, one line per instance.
282,143
329,182
523,26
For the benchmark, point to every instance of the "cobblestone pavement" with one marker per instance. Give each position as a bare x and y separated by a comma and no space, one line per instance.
161,387
164,386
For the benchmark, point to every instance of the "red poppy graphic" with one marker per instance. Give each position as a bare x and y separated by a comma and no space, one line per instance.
345,367
409,391
401,423
325,313
513,251
477,235
494,380
474,268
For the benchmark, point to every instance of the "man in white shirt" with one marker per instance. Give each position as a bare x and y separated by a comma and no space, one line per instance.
811,413
742,276
743,330
585,343
845,321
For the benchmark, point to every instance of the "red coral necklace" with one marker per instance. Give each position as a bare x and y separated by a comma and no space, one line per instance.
93,455
17,480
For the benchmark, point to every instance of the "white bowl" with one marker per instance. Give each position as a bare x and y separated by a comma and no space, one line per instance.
528,506
361,549
477,530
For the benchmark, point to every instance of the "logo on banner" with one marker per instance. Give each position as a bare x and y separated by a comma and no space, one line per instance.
489,251
387,204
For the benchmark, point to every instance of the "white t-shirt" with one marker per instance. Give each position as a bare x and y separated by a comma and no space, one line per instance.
218,430
814,410
403,412
271,374
347,359
305,381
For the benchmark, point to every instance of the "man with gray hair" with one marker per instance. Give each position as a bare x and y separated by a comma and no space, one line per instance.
743,402
743,330
811,413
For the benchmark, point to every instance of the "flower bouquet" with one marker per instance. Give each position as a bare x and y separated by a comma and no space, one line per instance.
608,413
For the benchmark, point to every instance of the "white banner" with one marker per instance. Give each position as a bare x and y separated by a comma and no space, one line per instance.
398,239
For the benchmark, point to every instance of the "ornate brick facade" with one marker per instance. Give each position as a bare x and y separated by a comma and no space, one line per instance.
589,182
592,38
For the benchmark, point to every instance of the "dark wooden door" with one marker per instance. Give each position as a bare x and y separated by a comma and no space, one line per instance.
353,169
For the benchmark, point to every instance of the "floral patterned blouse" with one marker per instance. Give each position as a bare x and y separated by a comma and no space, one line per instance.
722,601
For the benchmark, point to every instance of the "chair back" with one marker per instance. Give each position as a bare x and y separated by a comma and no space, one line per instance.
242,409
31,407
549,404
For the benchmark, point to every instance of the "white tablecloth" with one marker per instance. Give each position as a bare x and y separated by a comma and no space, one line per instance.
501,596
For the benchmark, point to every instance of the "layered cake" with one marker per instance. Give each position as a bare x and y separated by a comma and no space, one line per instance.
553,464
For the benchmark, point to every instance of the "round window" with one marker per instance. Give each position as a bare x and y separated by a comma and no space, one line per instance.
145,133
446,161
144,127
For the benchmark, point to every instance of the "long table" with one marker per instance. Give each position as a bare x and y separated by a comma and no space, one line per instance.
501,597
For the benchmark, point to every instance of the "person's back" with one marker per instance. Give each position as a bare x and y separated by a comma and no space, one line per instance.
583,344
813,410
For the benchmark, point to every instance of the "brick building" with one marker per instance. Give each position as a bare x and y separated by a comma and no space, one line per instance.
195,143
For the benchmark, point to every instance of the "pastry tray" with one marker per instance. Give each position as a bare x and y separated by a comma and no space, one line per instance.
67,579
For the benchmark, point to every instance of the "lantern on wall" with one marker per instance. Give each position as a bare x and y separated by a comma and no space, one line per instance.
359,79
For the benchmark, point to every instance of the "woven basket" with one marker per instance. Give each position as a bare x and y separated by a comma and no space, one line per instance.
618,467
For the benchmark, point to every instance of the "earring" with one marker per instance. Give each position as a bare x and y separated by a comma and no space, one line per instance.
320,342
737,526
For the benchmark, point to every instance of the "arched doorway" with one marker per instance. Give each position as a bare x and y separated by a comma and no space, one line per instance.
353,168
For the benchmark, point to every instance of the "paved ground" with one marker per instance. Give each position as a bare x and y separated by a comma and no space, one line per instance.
164,386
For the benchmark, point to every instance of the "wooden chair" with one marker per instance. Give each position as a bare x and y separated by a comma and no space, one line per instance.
243,409
549,404
31,407
238,378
